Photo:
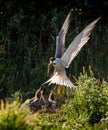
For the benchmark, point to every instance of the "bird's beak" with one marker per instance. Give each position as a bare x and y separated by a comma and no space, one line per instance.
49,68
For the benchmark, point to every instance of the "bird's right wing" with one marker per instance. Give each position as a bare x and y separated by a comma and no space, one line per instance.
60,39
79,41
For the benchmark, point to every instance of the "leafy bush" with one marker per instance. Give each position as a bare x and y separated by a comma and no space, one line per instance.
15,116
84,110
27,41
92,96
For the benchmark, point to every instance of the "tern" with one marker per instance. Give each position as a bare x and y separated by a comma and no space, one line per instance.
63,58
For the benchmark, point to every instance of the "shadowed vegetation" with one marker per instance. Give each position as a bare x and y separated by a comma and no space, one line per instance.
87,109
27,41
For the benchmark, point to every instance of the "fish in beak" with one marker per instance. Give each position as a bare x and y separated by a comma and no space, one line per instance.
51,63
48,70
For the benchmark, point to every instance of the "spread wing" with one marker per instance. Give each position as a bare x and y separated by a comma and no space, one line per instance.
79,41
60,39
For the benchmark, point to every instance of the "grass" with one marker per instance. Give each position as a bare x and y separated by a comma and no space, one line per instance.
26,44
24,56
87,109
15,116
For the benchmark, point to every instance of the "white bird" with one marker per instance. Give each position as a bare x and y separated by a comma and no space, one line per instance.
63,58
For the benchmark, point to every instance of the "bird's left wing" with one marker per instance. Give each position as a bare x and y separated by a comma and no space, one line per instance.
79,41
60,39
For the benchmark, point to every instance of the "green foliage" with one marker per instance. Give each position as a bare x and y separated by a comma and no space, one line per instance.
92,96
86,108
27,41
15,116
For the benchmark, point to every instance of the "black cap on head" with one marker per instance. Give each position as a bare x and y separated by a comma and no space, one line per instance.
52,58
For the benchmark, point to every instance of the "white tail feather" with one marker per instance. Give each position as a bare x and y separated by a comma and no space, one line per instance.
60,79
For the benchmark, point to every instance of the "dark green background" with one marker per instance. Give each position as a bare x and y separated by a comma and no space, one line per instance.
27,41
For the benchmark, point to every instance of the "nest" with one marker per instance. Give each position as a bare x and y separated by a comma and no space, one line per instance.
39,101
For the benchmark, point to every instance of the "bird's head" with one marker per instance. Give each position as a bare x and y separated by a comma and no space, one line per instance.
52,61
